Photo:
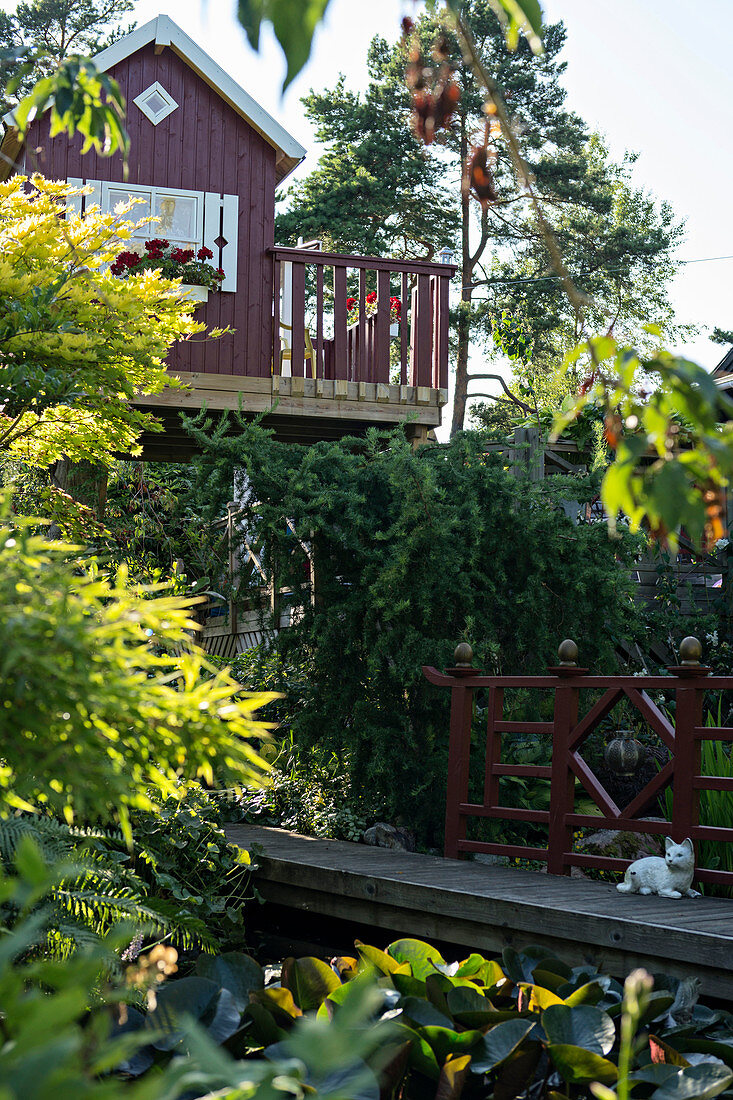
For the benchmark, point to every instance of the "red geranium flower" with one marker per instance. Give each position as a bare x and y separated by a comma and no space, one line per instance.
350,303
182,255
371,297
156,244
205,253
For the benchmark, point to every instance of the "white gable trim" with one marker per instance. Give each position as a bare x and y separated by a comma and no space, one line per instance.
164,32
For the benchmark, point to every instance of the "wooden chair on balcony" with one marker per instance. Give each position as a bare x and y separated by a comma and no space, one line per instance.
309,351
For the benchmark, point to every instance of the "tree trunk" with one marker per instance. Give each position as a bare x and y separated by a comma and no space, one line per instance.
464,317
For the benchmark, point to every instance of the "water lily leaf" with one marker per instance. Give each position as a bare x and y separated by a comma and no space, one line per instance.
309,980
718,1048
408,986
226,1018
577,1065
515,1075
469,1007
663,1054
184,997
580,1026
486,971
422,1058
264,1031
548,980
653,1074
345,966
421,956
518,967
453,1077
238,973
657,1006
140,1060
496,1046
356,1081
279,1002
393,1060
694,1083
445,1042
436,987
383,962
590,994
534,998
424,1013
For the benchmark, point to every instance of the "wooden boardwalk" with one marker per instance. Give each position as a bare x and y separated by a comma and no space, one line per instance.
487,908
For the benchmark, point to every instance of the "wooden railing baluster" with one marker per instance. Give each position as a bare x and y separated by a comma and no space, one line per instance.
404,333
320,365
360,362
380,355
421,332
298,347
277,276
339,322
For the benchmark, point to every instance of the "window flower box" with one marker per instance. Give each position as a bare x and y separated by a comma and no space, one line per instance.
194,292
198,277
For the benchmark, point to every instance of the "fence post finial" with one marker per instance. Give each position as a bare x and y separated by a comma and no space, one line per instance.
690,651
463,655
567,651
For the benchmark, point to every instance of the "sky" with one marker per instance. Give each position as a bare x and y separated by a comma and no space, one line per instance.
653,76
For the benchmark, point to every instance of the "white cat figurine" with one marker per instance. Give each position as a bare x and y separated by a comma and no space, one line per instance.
669,877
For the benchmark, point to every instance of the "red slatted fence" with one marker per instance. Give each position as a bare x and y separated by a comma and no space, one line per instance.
568,731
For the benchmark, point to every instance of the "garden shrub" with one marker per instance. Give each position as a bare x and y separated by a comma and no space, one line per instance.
98,703
180,879
414,551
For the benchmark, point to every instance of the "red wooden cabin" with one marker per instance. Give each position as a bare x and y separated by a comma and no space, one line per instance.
206,159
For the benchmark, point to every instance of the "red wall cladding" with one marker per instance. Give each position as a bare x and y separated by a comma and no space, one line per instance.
203,145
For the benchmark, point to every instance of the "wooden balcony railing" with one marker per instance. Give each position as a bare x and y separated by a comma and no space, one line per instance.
312,298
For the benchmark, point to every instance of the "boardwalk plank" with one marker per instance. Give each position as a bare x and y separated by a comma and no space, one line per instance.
486,907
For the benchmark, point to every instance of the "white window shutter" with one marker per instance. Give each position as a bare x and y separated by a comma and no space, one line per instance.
73,202
212,223
230,233
95,198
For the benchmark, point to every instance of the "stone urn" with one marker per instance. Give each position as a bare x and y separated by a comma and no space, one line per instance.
624,754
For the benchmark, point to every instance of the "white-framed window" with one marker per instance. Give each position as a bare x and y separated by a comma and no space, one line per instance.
155,103
188,219
180,214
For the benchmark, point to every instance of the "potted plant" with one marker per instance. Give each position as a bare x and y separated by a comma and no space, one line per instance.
370,309
197,276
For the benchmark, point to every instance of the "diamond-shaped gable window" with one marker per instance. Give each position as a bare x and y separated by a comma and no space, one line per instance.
155,103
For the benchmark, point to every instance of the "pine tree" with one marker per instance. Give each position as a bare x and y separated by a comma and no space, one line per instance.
55,29
605,228
374,190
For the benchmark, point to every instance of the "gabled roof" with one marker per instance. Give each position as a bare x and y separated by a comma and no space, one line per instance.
725,366
162,31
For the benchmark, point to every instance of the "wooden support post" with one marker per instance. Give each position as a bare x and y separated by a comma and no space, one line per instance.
562,780
459,749
687,750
